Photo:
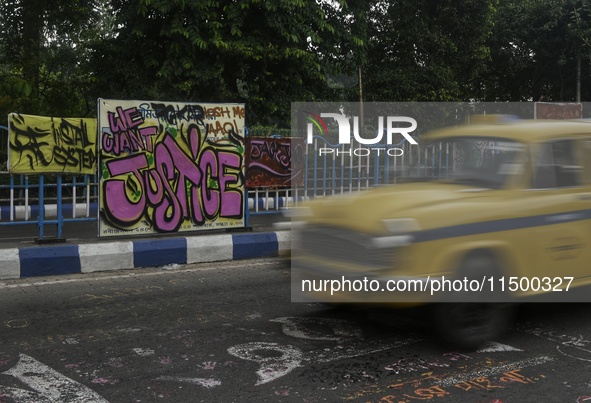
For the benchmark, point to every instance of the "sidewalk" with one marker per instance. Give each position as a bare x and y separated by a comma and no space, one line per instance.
83,252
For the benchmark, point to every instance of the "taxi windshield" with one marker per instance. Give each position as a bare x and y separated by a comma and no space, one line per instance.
483,162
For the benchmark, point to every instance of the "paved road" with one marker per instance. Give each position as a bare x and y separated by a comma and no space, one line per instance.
228,332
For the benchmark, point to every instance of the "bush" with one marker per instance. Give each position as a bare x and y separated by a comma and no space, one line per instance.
268,131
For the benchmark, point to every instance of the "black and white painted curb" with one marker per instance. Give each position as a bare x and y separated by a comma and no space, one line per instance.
49,260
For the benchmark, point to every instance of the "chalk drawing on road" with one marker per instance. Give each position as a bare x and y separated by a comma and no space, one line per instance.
130,330
17,323
455,356
572,346
271,367
284,391
253,316
358,349
404,366
304,328
348,337
494,347
488,372
208,365
205,382
105,381
432,385
165,360
560,350
143,352
71,341
48,385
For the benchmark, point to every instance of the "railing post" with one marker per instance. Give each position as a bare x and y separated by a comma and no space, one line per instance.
60,217
41,216
11,197
74,196
246,209
26,198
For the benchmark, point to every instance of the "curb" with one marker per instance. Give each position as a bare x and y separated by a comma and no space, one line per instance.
87,258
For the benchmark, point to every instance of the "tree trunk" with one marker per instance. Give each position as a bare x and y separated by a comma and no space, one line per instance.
32,42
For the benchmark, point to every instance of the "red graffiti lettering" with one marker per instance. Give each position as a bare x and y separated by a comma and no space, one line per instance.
217,112
217,128
238,112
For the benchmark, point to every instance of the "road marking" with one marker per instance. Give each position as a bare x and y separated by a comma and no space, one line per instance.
49,386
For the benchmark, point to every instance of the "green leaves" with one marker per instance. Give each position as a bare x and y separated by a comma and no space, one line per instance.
258,52
423,50
15,87
535,48
271,53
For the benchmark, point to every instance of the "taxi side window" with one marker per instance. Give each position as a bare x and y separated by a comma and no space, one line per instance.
557,166
585,157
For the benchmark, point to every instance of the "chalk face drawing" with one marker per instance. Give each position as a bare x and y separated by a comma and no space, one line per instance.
170,167
274,162
40,144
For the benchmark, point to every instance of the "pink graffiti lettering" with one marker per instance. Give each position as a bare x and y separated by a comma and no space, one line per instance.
211,197
167,212
125,135
118,207
124,120
179,187
231,200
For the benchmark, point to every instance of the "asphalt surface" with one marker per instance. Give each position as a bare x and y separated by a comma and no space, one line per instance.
227,332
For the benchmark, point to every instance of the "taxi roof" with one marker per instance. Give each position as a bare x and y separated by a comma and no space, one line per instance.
527,131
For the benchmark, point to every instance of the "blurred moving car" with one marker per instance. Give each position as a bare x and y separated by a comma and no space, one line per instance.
503,215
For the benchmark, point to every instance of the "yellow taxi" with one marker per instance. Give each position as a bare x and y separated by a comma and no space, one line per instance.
501,214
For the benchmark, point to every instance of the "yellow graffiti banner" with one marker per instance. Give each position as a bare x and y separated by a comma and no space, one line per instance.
40,144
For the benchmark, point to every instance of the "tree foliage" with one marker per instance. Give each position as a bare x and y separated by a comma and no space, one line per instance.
58,56
260,52
42,43
425,50
534,51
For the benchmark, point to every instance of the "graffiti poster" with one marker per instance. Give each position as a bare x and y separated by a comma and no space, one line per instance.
274,162
170,167
550,110
40,144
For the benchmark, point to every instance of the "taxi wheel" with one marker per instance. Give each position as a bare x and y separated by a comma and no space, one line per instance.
470,320
470,325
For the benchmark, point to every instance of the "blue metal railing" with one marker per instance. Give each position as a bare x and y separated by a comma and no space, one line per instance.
44,200
43,203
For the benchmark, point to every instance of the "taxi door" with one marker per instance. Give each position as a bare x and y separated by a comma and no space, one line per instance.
560,204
